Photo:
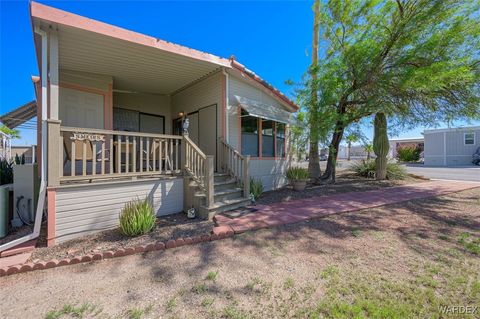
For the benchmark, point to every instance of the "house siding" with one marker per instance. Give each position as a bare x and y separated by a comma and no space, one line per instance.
87,209
456,152
271,171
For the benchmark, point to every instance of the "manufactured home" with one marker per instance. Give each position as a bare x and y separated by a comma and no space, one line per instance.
122,115
451,146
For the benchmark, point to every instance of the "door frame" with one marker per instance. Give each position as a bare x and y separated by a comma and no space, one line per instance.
199,125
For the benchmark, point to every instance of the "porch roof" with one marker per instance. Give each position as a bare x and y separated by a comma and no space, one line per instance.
265,111
137,62
19,115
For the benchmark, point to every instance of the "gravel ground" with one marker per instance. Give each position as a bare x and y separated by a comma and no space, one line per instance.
167,227
404,260
177,225
345,182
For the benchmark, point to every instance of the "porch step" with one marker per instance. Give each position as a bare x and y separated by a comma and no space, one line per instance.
220,177
219,195
227,184
223,206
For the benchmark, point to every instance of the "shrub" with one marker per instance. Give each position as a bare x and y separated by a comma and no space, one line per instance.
408,154
367,169
256,188
6,172
297,173
137,218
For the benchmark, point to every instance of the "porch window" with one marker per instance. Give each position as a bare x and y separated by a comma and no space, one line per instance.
280,140
249,134
268,141
469,138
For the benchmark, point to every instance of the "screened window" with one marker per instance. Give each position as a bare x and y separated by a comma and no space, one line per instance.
280,140
249,134
469,138
268,147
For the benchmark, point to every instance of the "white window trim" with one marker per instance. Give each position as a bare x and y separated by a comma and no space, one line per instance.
464,138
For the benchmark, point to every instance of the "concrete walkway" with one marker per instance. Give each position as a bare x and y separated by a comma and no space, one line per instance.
314,207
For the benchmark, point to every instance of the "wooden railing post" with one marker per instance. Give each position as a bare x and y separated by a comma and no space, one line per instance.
183,154
54,153
246,177
209,168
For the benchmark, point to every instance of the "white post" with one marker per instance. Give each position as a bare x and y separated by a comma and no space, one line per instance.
53,74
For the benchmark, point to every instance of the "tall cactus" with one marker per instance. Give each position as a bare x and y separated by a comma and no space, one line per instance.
380,145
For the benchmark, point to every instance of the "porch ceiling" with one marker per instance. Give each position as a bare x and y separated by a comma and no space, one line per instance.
134,66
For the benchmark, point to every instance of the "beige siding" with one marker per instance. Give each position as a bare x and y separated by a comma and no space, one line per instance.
270,171
146,103
456,153
204,93
89,208
83,79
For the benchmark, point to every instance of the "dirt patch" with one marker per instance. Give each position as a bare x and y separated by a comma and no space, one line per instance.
346,182
397,261
167,227
16,233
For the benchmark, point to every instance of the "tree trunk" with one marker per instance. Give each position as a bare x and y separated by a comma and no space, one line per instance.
368,155
380,146
349,148
329,173
313,158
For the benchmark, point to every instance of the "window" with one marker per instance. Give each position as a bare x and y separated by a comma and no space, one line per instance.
271,133
280,140
469,138
268,141
249,134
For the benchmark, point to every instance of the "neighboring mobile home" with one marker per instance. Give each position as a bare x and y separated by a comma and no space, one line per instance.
451,146
113,111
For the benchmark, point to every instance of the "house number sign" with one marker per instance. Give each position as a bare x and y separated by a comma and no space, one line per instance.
87,136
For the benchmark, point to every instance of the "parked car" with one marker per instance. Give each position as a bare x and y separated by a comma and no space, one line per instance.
476,157
323,157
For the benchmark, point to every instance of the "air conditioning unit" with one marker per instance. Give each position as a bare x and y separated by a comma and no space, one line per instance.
25,193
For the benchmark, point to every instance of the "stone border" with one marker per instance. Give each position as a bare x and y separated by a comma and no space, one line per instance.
218,233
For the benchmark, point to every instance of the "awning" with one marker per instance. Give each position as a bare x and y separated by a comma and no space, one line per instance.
19,115
265,111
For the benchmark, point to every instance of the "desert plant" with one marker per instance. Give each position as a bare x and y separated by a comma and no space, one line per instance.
137,218
368,169
297,173
6,171
408,154
20,160
380,145
256,188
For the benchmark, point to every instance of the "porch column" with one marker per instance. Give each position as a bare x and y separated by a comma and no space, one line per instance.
53,74
54,152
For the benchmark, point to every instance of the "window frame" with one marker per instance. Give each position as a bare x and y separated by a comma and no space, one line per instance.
260,138
465,138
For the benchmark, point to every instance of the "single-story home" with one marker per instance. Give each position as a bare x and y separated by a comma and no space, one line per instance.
122,115
451,146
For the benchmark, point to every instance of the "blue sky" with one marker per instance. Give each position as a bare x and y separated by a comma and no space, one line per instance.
272,38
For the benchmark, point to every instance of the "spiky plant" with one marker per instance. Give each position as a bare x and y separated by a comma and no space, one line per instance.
137,218
380,145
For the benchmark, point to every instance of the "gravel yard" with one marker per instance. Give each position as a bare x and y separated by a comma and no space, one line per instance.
406,260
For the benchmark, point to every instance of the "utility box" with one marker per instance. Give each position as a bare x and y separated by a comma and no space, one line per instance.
25,193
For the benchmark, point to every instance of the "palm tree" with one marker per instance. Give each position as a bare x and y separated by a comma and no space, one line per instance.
369,149
351,138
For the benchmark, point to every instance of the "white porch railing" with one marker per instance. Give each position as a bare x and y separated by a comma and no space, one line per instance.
88,154
200,167
236,165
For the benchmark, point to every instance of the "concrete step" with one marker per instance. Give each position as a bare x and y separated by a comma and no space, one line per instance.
223,206
227,184
220,195
220,177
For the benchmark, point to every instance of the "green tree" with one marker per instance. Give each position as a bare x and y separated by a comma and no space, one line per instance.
368,147
414,61
12,132
352,137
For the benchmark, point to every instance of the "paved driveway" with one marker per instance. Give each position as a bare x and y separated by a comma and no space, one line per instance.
464,173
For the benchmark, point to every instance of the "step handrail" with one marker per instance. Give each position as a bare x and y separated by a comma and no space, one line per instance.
200,167
237,165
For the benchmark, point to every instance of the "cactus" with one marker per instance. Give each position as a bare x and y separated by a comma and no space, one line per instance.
380,145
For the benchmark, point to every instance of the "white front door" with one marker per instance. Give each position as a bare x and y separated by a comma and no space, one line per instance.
81,109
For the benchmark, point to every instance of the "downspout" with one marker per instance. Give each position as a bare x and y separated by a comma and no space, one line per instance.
227,136
43,169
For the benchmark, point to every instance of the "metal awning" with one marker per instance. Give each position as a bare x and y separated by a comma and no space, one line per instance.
265,111
19,115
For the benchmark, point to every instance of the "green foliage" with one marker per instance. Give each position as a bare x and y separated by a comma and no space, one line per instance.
19,160
212,275
417,62
256,188
470,243
137,218
12,132
6,171
368,169
297,173
408,154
